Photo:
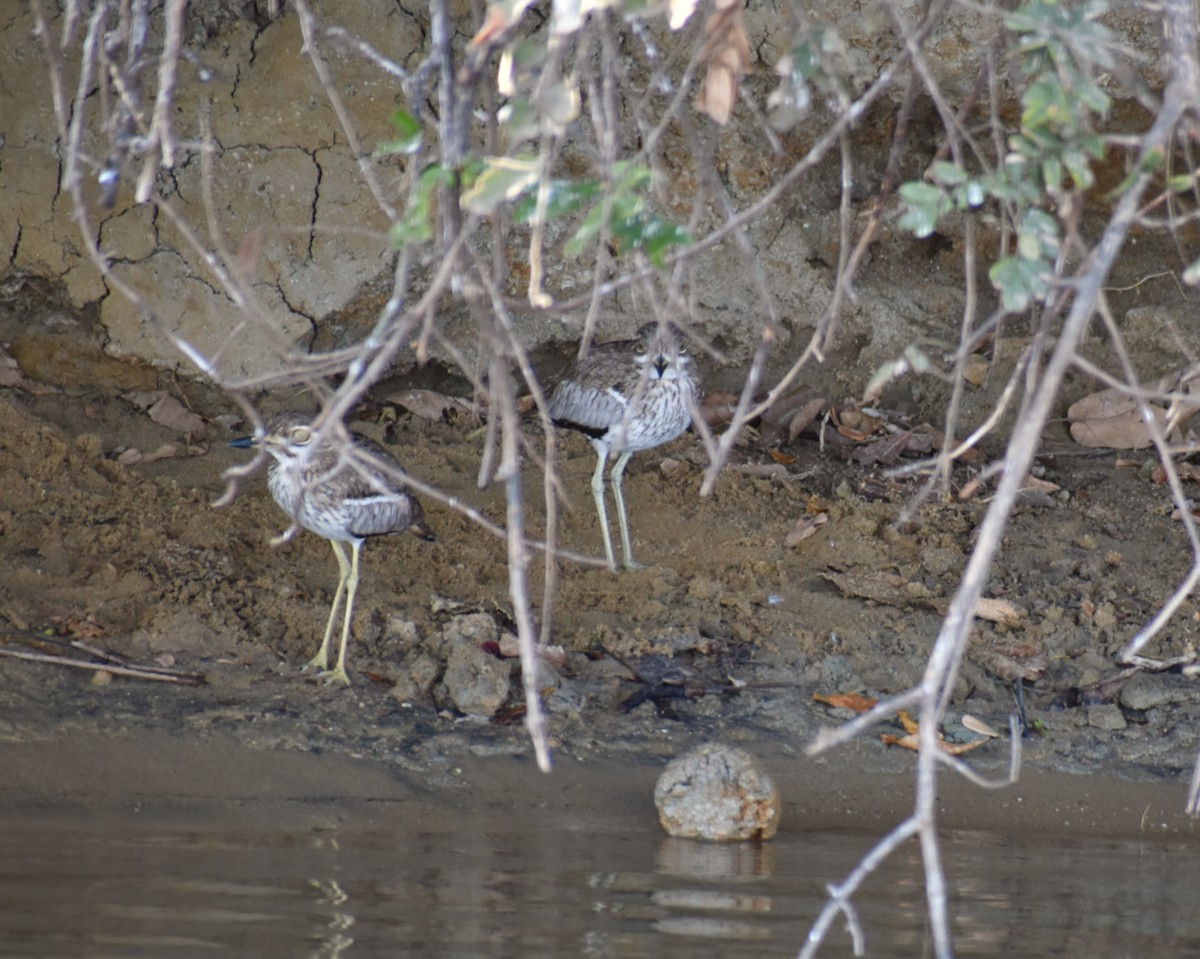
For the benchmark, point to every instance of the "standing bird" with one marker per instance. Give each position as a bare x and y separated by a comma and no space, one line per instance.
626,396
336,491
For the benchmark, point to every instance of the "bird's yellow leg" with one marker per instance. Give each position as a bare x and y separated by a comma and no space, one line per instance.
338,673
601,511
618,474
320,662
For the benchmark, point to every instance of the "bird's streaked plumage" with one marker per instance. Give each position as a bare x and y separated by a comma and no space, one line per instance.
337,491
626,396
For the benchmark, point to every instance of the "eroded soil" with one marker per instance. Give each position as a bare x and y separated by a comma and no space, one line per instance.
137,561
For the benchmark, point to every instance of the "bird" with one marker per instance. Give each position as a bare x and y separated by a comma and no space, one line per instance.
626,396
339,492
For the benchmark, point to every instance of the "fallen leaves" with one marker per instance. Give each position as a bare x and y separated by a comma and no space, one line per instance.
165,410
1112,419
428,404
11,376
1010,661
805,527
911,737
860,704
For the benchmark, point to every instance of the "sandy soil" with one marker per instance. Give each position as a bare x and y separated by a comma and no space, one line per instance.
135,559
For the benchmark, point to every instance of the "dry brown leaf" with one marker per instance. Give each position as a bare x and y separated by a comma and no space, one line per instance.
717,408
1010,661
882,587
884,451
999,611
1110,418
792,413
780,457
805,527
427,403
860,704
911,739
166,451
1044,486
976,725
11,376
500,16
510,648
172,414
726,51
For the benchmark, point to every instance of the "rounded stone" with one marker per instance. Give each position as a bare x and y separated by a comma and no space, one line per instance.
719,793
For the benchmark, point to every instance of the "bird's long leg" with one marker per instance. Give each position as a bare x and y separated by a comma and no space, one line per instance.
321,660
338,673
601,510
618,474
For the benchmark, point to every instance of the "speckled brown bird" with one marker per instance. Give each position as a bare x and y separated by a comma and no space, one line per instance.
337,491
626,396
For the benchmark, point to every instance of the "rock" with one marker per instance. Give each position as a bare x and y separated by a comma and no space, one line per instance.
1148,690
416,677
1107,716
717,792
476,682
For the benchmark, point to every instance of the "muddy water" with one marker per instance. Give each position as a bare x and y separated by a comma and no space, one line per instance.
135,889
219,850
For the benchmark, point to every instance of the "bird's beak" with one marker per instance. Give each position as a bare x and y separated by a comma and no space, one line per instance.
246,442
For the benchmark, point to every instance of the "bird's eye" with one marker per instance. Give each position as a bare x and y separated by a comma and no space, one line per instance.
301,435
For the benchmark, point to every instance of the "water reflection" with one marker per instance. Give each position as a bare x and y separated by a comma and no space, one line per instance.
133,889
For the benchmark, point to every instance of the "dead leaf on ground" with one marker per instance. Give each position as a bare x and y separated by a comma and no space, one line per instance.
11,376
805,527
553,656
716,409
133,455
999,611
166,410
1010,661
1187,472
890,589
1110,418
911,739
792,414
860,704
885,451
428,404
976,725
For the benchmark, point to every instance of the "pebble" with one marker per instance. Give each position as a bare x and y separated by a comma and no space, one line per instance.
1107,716
476,682
719,793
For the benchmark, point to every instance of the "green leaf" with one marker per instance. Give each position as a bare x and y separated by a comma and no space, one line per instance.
520,119
408,135
563,197
1019,281
1181,183
948,174
502,178
648,231
413,226
925,206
